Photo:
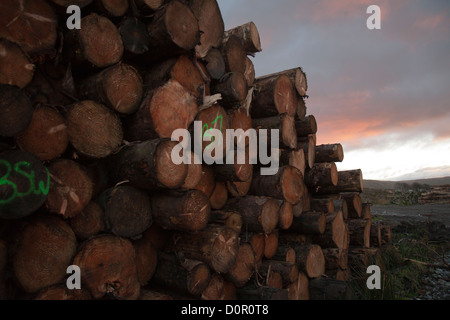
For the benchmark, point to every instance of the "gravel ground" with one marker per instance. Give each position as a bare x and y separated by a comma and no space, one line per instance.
414,213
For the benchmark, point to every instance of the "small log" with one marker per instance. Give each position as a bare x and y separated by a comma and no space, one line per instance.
46,136
119,87
297,76
287,184
207,181
322,205
185,211
321,175
286,215
135,37
310,260
335,234
299,290
210,23
16,68
239,189
329,153
234,55
335,258
215,64
284,123
146,260
366,213
285,253
288,271
375,235
341,204
259,214
359,232
95,258
94,130
273,96
70,188
24,186
244,267
348,181
249,36
219,196
270,244
258,243
240,119
233,89
306,126
231,219
128,211
16,109
89,222
187,276
45,249
329,289
294,158
354,204
31,25
148,165
215,289
308,144
233,172
215,245
309,223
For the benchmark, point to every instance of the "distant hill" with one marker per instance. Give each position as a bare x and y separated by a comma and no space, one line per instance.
386,185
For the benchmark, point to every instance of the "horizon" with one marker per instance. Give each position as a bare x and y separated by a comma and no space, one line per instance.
383,94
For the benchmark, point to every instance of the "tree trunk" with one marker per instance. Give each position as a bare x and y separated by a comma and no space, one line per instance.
259,214
244,267
249,36
94,130
335,234
296,75
215,245
185,211
16,109
306,126
148,165
45,249
309,223
127,210
359,232
354,204
232,87
322,205
348,181
287,184
321,175
273,96
310,260
329,153
70,188
286,126
108,266
16,68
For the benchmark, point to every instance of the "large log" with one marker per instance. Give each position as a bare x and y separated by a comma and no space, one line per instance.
249,36
288,271
16,69
310,260
335,234
321,175
296,75
348,181
354,204
329,153
285,125
306,126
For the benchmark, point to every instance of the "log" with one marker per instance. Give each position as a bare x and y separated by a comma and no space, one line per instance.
115,8
249,72
135,37
147,165
24,184
286,215
354,204
173,30
154,119
284,123
217,246
233,172
229,291
257,242
194,174
148,6
89,222
300,111
107,263
187,276
259,214
309,223
341,205
310,260
210,24
375,235
273,96
215,64
274,280
284,252
215,288
240,119
249,36
287,184
146,260
359,232
231,219
321,175
185,211
322,205
329,289
329,153
70,188
219,197
30,24
239,189
94,130
234,55
207,181
306,126
120,87
270,244
16,69
45,249
157,236
366,213
233,89
299,290
128,211
16,109
60,292
308,144
360,258
294,158
244,267
348,181
297,77
335,258
46,136
288,271
335,234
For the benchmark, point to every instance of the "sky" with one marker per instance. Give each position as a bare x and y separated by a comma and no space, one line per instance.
383,94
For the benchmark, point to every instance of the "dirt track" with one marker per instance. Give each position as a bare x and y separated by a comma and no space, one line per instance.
414,213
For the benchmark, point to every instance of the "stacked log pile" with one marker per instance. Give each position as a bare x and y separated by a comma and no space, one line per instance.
87,177
437,194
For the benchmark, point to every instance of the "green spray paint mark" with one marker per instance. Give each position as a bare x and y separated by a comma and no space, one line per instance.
20,168
206,133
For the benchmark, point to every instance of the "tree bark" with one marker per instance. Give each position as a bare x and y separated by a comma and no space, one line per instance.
335,234
296,75
286,126
321,175
308,145
310,260
348,181
329,153
359,232
309,223
306,126
249,36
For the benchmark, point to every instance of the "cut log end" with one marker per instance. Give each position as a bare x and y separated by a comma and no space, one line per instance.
168,173
225,250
